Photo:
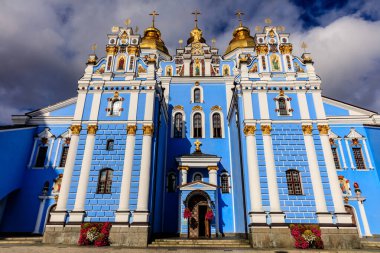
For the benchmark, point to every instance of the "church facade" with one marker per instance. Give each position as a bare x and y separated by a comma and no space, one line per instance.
197,144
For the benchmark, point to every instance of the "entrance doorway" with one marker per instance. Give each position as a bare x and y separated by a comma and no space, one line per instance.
198,226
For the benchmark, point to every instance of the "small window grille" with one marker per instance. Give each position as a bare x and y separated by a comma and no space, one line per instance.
105,181
110,145
294,182
65,151
225,183
358,156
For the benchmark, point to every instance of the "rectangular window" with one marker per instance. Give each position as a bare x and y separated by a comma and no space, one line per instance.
336,158
40,161
294,182
65,151
358,156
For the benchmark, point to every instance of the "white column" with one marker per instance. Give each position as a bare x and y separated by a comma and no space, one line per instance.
302,102
141,215
56,153
336,193
318,104
247,104
80,105
319,195
183,175
213,175
32,155
367,154
123,213
342,153
367,231
263,102
51,145
257,214
59,215
277,216
39,216
349,154
77,214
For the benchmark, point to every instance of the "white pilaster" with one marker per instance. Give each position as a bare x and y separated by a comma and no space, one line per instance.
316,181
183,175
247,104
59,215
256,214
207,67
213,175
56,152
39,215
33,151
349,154
80,105
318,104
51,145
336,193
363,215
186,65
302,102
342,153
367,154
263,102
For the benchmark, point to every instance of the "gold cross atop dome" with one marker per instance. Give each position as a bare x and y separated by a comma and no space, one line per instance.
154,14
196,13
197,145
93,47
127,22
239,14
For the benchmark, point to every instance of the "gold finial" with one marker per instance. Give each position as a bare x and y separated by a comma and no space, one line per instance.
153,14
127,22
197,145
239,14
115,29
268,21
258,28
304,46
180,43
136,29
196,13
213,40
93,47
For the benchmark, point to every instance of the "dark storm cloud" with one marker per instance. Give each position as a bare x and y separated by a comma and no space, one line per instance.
44,44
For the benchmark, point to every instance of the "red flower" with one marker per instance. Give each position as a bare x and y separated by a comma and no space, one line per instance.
187,213
209,215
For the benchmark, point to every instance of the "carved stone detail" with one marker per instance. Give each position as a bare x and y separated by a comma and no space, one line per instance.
148,130
216,108
91,129
75,129
197,108
307,129
183,168
286,48
212,168
323,129
266,129
131,129
249,130
178,107
262,49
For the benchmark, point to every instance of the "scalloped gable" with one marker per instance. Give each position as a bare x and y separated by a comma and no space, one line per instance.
335,107
63,108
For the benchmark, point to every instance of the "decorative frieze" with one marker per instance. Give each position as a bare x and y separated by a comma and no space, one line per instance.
249,130
266,129
323,129
91,129
131,129
148,130
75,129
178,107
216,108
307,129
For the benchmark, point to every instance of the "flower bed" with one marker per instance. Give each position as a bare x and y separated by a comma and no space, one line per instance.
306,236
96,234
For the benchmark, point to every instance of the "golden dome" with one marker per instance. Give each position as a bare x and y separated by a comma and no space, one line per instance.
241,39
196,36
152,40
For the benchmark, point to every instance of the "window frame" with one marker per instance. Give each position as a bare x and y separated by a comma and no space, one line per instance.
46,147
360,151
108,144
197,131
225,189
293,190
178,133
107,182
288,106
65,147
197,86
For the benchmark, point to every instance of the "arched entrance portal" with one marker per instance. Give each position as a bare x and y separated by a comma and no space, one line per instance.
198,203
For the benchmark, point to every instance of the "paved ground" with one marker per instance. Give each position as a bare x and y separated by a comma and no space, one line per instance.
77,249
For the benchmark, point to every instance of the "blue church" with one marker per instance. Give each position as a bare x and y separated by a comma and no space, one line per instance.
199,144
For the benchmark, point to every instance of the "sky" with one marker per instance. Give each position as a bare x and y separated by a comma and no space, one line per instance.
44,43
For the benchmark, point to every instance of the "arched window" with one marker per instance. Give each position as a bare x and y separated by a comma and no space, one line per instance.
293,180
110,144
216,125
121,64
197,177
197,125
358,156
282,106
224,182
41,156
335,153
115,107
197,95
178,125
131,62
65,151
105,181
172,182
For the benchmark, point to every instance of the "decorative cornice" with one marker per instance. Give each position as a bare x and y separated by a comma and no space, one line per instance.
249,130
131,129
212,168
216,108
323,129
91,129
307,129
286,48
197,108
262,49
266,129
148,130
178,107
75,129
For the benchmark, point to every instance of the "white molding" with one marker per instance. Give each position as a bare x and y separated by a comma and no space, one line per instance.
288,106
174,112
56,152
198,162
201,94
133,102
370,166
353,110
53,107
50,149
302,104
221,123
349,154
33,152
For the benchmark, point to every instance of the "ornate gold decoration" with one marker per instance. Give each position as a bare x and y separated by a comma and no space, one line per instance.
197,108
261,49
152,40
282,93
91,129
216,108
249,130
56,198
286,48
271,33
266,129
153,14
306,57
355,141
196,83
241,39
132,50
92,58
183,168
131,129
116,94
148,130
307,129
239,14
323,129
180,42
127,22
212,168
151,60
197,145
346,199
268,21
178,107
75,129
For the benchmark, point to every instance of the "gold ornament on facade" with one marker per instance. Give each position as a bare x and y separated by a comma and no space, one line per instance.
178,107
249,130
91,129
183,168
266,129
75,129
212,168
111,49
197,108
56,198
271,33
307,129
323,129
133,50
148,130
261,49
197,144
286,48
216,108
282,93
196,83
131,129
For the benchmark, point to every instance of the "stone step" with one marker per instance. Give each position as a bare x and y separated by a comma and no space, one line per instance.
201,243
21,240
219,246
370,244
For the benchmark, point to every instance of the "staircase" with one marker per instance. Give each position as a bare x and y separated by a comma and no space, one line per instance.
370,243
200,243
21,240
